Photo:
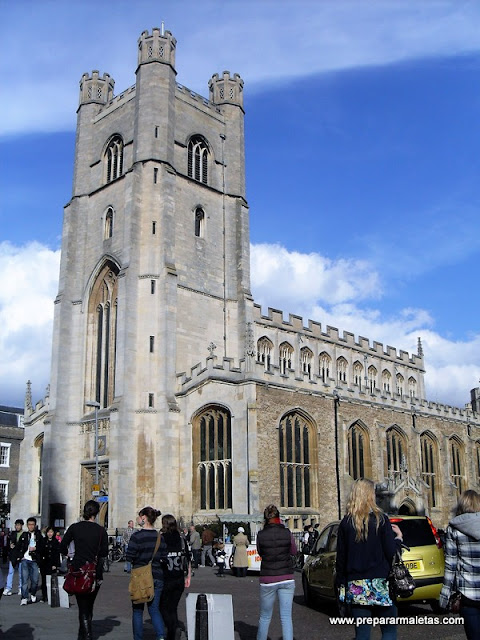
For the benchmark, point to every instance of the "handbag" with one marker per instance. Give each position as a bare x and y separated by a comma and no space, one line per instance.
82,580
141,586
454,602
400,580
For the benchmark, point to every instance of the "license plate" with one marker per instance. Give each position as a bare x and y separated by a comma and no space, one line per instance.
413,565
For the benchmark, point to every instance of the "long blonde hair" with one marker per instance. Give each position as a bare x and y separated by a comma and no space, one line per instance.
361,502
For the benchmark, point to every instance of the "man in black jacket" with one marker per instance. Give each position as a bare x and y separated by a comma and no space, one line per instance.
13,537
28,550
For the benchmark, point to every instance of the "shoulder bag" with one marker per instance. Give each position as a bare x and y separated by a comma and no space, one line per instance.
141,587
401,583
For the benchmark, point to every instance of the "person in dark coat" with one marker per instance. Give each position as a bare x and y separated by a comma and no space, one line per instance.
276,546
28,553
91,542
50,560
366,545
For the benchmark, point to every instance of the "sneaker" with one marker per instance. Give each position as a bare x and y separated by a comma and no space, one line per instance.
19,592
23,601
7,592
33,599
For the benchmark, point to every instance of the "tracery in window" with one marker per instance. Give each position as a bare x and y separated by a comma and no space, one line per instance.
325,363
359,460
412,387
386,380
357,374
198,159
102,333
342,369
457,464
296,461
199,222
306,358
428,451
396,452
264,352
114,158
212,441
400,384
372,378
286,355
108,231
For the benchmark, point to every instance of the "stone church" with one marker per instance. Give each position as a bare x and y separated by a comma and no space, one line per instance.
168,382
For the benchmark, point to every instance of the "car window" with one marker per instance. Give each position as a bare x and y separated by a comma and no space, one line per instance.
322,540
416,532
332,541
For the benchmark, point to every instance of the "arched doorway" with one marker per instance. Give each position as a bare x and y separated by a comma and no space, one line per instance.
407,508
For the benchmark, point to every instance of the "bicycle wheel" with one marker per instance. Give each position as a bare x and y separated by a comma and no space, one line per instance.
117,555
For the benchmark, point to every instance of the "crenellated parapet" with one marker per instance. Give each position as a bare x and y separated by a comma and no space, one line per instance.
96,89
159,46
225,89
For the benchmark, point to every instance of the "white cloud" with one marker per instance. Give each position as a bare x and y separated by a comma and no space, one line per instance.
334,293
310,285
291,39
28,286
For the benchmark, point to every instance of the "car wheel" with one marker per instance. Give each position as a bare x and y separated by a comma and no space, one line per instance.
307,592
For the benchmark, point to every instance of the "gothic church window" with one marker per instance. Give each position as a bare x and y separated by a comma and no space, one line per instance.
296,461
102,331
372,378
114,159
198,159
400,383
325,363
456,465
412,387
357,374
286,354
359,462
199,222
306,357
108,232
212,441
428,451
264,352
396,452
342,369
386,380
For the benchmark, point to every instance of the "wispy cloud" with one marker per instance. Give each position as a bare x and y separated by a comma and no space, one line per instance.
289,38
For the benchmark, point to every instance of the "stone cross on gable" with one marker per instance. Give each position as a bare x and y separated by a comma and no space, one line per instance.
211,347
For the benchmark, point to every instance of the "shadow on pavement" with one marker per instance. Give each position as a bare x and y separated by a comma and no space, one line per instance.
22,630
104,627
246,631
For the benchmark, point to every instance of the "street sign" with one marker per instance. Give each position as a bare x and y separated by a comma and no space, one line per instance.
103,499
95,493
95,487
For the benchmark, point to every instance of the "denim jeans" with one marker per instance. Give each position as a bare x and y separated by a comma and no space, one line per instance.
471,619
11,571
268,593
153,610
29,571
362,632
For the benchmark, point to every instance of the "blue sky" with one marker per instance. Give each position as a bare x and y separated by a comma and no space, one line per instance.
362,137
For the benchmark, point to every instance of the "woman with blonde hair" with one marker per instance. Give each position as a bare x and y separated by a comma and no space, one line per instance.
366,545
462,561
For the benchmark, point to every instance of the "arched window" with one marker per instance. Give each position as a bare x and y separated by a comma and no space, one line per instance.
212,441
428,450
359,461
342,369
38,470
412,387
372,378
396,452
108,231
306,357
114,158
386,380
400,384
198,159
264,352
102,330
199,223
357,374
457,465
296,461
286,354
325,363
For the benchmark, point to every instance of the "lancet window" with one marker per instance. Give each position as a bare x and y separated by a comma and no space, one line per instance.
306,357
372,378
428,451
342,369
108,231
213,459
396,452
386,380
296,461
400,384
359,461
198,159
325,363
199,222
457,465
264,352
357,374
114,158
412,387
286,355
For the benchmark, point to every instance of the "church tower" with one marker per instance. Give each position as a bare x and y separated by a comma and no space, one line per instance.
154,277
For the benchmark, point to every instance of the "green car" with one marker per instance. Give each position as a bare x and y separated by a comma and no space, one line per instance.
425,560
